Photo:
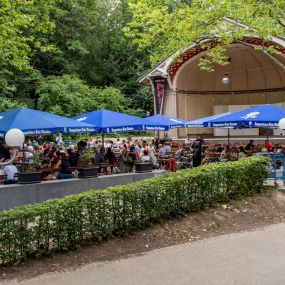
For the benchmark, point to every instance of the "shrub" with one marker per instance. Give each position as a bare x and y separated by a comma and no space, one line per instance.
64,224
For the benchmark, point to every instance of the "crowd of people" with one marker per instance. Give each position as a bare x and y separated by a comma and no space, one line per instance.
120,155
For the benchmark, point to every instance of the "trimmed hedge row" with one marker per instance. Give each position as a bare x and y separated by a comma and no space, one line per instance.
63,224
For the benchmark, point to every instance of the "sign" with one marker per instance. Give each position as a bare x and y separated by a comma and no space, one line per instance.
252,115
159,92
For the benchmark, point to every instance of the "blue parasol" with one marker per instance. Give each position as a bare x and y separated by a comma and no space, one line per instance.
264,116
108,122
163,123
38,123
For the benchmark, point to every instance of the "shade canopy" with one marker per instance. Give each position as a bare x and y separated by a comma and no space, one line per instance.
108,122
164,122
199,123
35,123
264,116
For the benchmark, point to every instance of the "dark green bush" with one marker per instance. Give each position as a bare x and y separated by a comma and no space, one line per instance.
63,224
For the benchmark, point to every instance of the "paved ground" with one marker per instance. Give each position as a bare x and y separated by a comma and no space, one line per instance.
247,258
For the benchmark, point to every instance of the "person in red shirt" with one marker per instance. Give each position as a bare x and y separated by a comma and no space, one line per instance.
269,145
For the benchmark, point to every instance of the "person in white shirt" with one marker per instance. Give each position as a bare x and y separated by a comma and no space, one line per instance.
188,141
145,156
10,171
118,144
58,139
107,144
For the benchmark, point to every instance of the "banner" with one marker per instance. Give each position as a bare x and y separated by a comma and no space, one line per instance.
159,92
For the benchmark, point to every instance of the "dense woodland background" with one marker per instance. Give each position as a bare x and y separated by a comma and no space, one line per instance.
73,56
70,57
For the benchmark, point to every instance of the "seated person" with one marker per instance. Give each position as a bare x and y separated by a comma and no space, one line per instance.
100,156
64,172
145,156
181,151
153,160
225,155
110,158
250,145
167,148
72,157
242,153
56,160
269,145
10,170
161,152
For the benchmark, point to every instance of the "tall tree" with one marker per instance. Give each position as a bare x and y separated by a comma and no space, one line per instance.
166,26
23,22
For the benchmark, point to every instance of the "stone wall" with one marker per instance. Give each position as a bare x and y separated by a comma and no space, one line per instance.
15,195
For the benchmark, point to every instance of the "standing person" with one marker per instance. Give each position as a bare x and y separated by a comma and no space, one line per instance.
156,142
118,144
197,154
187,141
124,166
58,139
107,144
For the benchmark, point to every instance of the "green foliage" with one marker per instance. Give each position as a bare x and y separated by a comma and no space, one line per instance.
69,96
23,24
64,95
166,26
64,224
7,104
88,155
80,39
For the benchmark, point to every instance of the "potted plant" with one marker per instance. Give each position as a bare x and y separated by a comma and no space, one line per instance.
143,167
86,167
31,174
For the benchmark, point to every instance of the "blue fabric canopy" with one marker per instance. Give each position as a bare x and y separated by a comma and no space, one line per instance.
163,122
109,122
38,123
264,116
199,123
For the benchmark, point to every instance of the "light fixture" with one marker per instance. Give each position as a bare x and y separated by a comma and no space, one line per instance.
14,138
226,79
282,124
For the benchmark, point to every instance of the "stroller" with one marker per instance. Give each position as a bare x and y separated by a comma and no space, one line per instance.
184,162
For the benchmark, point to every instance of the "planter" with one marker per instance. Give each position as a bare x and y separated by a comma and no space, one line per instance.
29,177
143,167
87,172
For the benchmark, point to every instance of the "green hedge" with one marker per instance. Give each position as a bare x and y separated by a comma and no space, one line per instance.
63,224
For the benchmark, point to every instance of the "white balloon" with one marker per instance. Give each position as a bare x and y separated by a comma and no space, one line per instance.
282,124
14,138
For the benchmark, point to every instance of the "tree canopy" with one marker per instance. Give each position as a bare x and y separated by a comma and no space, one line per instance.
23,24
82,41
165,26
